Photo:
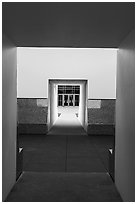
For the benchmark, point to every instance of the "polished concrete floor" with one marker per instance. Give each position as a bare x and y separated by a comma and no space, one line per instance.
65,166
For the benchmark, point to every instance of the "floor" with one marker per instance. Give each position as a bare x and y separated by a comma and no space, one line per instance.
67,123
65,166
64,154
64,187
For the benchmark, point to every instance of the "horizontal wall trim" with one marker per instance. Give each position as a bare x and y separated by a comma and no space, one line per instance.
88,98
101,98
97,124
101,124
71,46
31,133
31,98
44,124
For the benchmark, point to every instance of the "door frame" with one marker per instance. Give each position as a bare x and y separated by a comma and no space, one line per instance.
53,100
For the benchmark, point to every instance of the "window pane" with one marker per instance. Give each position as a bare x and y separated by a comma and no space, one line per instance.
60,100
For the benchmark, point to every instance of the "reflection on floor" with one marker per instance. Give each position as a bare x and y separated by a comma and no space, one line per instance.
67,123
65,166
68,109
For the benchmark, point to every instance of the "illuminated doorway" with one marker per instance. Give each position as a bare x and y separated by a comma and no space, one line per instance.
67,95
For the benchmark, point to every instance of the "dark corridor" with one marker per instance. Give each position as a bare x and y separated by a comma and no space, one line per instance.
63,168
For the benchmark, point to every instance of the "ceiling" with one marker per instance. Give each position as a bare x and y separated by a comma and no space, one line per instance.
63,24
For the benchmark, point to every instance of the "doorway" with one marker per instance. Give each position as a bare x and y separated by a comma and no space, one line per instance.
67,95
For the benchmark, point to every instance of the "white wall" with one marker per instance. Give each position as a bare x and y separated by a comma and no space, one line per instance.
37,65
125,119
9,94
